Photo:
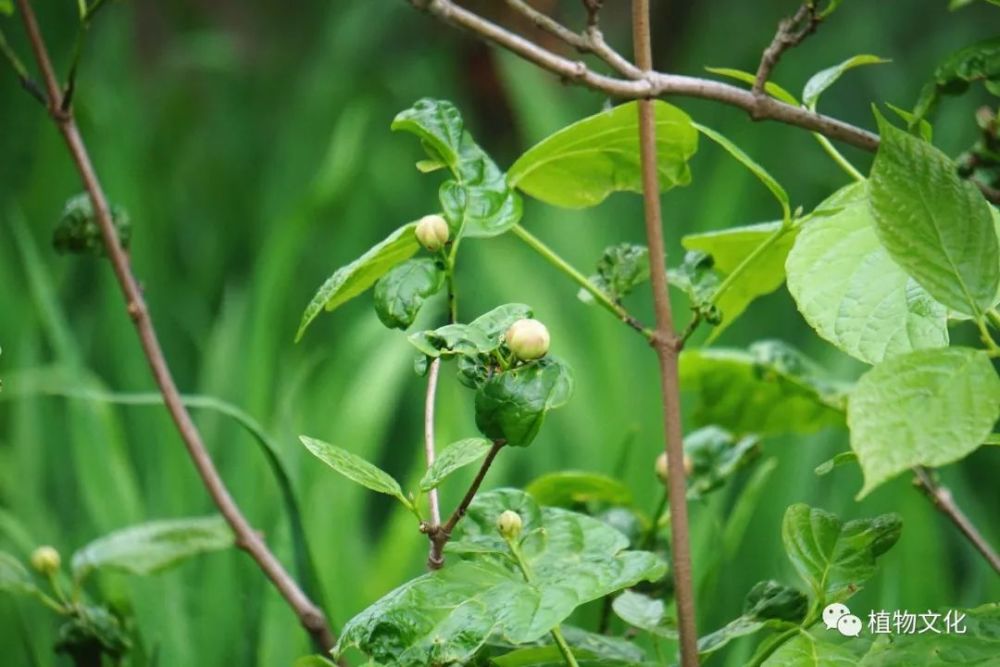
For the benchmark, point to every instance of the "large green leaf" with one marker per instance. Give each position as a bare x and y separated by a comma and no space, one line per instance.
818,648
154,546
355,468
976,62
850,290
351,280
569,488
769,389
935,225
646,613
929,407
833,557
477,202
454,457
400,293
445,617
769,604
14,577
580,165
820,81
511,405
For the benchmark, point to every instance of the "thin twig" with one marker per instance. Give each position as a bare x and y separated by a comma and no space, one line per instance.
942,499
667,346
791,32
429,454
310,615
21,71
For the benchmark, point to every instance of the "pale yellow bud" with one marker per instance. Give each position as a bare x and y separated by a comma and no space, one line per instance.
528,339
432,232
46,560
509,524
663,467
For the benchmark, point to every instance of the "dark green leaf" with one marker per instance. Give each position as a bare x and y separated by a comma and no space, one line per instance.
150,547
570,488
93,629
833,557
976,62
935,225
717,455
621,269
929,407
400,293
767,605
511,405
823,79
355,468
351,280
580,165
454,457
78,232
645,613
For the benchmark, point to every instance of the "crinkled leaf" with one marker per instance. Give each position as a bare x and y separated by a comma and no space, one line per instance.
771,88
570,488
620,270
511,405
935,225
150,547
645,613
769,389
14,576
769,604
854,295
496,322
454,457
355,468
833,557
462,339
976,62
400,293
446,616
478,202
717,455
351,280
78,232
580,165
820,81
930,407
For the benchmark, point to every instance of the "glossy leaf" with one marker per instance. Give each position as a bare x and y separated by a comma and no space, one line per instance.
452,458
820,81
569,488
645,613
447,616
769,389
854,295
496,322
976,62
833,557
400,293
511,405
716,455
150,547
481,336
14,576
930,407
355,468
355,278
770,87
935,225
769,604
582,164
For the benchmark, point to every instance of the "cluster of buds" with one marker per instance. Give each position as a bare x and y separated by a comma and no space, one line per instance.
432,232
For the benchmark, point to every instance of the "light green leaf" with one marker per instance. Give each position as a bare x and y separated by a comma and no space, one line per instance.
826,467
921,127
930,407
580,165
14,576
6,8
496,322
351,280
511,405
481,336
771,88
833,557
150,547
823,79
935,225
454,457
620,269
769,389
978,645
355,468
769,604
446,616
819,648
853,294
590,650
645,613
570,488
401,293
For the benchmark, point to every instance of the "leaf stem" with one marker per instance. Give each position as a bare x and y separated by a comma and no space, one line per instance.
837,157
737,273
994,318
558,262
564,648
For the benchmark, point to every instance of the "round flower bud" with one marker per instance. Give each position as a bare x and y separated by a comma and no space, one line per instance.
432,232
663,467
509,524
45,560
528,339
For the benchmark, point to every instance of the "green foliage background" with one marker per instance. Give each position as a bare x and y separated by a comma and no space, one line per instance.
250,144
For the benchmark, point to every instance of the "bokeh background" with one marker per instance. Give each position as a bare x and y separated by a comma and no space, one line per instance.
250,143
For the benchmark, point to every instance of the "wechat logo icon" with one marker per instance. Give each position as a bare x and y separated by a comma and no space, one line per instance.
838,617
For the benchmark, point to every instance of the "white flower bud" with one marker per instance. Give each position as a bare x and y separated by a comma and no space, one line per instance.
528,339
46,560
432,232
509,524
663,467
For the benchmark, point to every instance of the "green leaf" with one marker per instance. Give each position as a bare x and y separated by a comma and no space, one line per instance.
590,649
150,547
570,488
621,269
351,280
511,405
6,8
452,458
755,168
580,165
717,455
481,336
918,126
826,467
853,294
935,225
446,616
833,557
930,407
819,648
477,202
823,79
401,293
14,577
978,645
769,604
496,322
355,468
769,389
645,613
78,232
771,88
976,62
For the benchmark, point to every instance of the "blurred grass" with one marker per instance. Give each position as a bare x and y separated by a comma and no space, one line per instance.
251,146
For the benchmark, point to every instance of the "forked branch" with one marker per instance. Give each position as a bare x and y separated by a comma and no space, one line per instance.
791,32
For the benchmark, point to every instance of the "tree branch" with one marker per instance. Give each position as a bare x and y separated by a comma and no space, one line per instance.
310,615
791,32
667,346
429,454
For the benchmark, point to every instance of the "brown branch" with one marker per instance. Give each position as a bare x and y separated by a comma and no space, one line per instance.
429,454
310,615
667,346
942,499
791,31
